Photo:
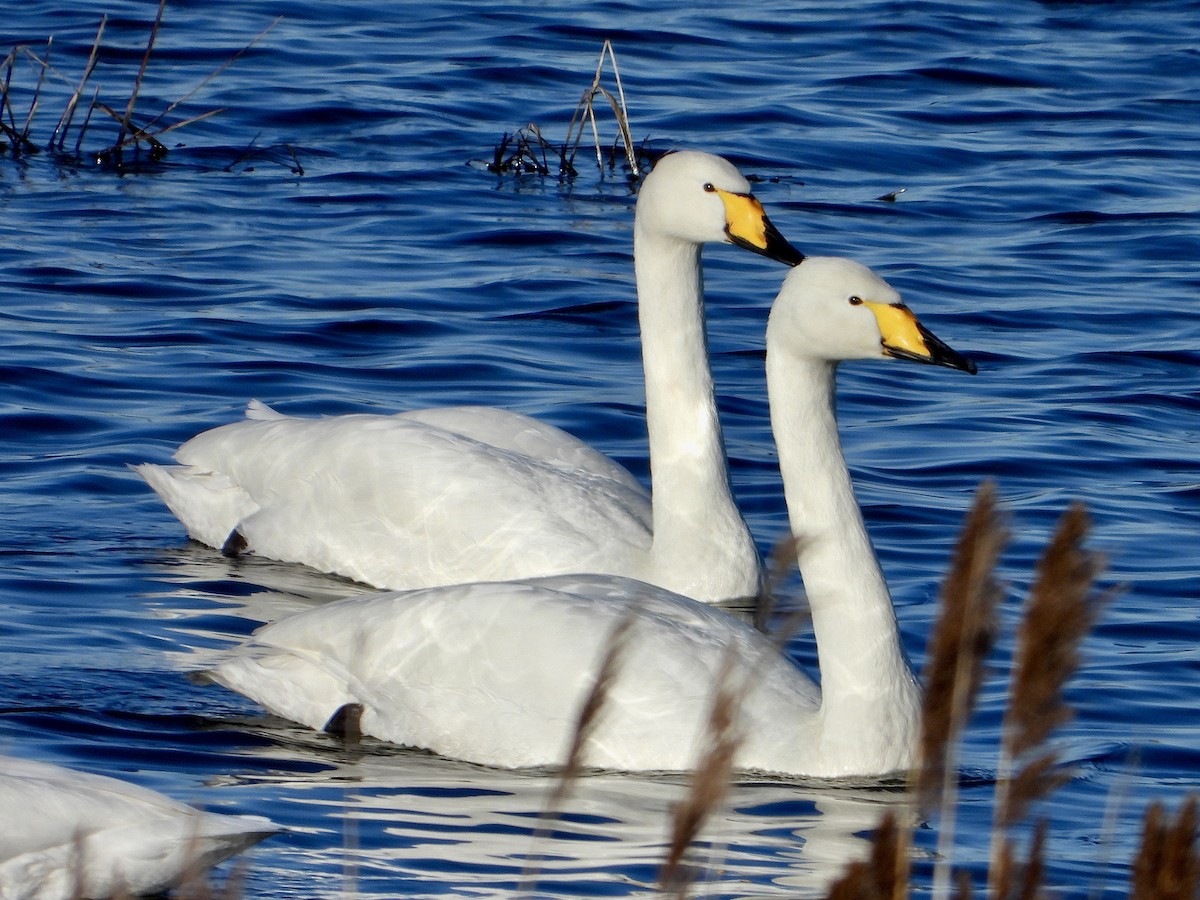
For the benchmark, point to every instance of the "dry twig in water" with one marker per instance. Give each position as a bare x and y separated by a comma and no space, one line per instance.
130,133
528,151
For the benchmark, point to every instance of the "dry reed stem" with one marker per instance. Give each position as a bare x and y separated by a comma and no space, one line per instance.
963,890
130,133
784,557
211,75
37,90
709,783
1167,865
585,110
137,84
19,138
64,121
1034,870
87,120
585,724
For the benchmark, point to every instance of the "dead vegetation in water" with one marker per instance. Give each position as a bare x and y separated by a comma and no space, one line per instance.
139,137
527,151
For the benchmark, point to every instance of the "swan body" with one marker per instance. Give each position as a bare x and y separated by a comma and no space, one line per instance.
68,834
471,494
495,673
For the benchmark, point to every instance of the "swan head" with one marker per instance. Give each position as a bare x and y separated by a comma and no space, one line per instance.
835,309
700,198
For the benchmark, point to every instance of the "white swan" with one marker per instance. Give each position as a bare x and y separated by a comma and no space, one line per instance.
67,834
442,496
495,672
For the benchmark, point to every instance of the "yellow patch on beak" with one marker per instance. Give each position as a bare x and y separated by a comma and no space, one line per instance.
745,219
899,329
903,337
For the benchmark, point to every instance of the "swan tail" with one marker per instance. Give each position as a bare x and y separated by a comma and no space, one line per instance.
346,723
258,411
209,504
285,684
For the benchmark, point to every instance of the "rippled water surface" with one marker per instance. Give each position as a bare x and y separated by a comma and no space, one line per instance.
331,241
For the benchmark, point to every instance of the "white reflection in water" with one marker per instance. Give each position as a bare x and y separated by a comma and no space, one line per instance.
394,820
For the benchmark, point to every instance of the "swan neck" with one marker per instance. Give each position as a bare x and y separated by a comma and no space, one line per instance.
865,677
694,510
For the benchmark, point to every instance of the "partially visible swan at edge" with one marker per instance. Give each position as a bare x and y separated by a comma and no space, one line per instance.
495,673
67,834
441,496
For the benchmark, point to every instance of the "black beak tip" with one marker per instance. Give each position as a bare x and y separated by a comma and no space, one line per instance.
789,255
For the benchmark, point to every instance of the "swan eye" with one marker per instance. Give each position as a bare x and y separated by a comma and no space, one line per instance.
709,188
856,301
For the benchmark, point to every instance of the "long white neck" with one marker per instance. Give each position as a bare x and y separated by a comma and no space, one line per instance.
869,697
702,546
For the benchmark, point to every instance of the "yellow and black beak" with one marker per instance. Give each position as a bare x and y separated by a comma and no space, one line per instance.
747,226
906,338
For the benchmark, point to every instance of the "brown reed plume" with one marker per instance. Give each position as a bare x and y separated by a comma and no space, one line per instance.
1059,612
961,640
586,721
709,783
1167,866
874,878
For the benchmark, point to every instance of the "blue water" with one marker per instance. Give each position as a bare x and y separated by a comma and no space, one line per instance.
332,241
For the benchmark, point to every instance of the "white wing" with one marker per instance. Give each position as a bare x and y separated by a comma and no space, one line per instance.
495,673
401,501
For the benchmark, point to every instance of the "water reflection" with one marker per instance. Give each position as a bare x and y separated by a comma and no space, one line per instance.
395,821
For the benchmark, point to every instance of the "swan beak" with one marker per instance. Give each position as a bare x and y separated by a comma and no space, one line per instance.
747,226
903,337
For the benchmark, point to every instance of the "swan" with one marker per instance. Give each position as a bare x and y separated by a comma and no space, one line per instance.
442,496
494,672
65,833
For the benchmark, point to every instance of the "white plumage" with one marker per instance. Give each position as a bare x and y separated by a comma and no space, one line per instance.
68,834
496,672
445,496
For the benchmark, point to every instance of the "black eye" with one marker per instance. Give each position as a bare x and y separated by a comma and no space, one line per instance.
708,187
856,301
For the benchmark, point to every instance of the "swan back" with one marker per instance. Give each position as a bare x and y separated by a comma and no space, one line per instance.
496,673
